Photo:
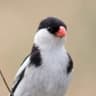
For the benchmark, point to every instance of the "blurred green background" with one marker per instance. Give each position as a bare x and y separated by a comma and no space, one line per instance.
18,22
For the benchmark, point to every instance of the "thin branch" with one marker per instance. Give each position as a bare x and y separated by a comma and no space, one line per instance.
5,82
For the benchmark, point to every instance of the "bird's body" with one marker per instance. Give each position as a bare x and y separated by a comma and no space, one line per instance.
46,71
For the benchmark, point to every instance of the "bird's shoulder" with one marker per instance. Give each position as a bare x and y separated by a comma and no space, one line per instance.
35,56
70,63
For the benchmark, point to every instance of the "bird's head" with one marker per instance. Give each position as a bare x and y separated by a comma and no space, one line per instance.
51,33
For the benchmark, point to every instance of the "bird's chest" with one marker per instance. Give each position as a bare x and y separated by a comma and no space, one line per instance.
53,70
55,62
50,79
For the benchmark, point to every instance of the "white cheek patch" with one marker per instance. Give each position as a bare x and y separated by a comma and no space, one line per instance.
42,37
45,40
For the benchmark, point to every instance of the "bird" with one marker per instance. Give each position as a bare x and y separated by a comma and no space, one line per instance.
47,70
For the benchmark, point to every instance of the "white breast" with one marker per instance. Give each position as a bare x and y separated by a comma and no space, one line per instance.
53,74
49,79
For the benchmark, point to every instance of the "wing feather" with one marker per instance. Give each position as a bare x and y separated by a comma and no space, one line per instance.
20,74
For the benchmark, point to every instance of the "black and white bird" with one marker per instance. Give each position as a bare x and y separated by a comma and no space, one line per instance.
47,70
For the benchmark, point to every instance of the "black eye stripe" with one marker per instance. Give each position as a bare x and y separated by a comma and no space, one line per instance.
52,29
49,28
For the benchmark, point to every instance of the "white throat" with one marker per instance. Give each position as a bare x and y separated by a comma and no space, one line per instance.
45,40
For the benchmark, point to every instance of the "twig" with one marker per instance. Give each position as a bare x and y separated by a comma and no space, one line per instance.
5,82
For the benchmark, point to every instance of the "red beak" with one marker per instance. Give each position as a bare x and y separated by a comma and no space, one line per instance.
61,32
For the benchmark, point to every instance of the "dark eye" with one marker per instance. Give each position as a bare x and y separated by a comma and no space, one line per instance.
50,29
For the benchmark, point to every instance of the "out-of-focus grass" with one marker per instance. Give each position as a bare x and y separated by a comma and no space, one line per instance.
18,22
